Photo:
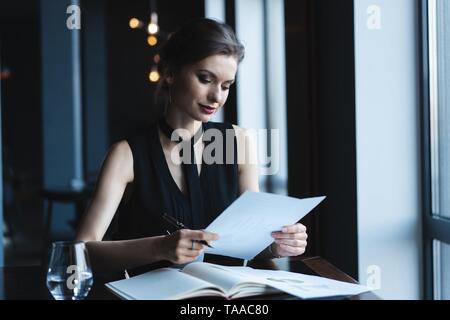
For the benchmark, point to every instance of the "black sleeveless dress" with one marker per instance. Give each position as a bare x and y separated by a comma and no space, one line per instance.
154,192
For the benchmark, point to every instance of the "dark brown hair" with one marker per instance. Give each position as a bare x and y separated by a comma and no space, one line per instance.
193,42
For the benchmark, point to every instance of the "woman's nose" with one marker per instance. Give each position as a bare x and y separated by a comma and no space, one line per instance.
214,95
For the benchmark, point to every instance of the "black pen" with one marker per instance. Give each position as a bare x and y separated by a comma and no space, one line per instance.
177,224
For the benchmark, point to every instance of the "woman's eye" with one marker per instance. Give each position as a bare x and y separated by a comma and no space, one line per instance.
204,79
225,88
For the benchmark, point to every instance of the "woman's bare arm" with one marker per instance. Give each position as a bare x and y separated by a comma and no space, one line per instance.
116,173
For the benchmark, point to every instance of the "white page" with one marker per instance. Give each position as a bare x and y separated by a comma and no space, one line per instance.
245,226
160,284
216,274
301,285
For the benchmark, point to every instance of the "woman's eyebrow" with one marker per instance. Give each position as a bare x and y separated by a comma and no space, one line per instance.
212,74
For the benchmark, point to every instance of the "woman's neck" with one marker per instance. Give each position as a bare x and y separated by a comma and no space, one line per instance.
179,120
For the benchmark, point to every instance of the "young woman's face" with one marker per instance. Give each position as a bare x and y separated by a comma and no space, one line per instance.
200,89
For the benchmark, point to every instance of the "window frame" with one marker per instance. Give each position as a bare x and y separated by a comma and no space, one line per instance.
434,227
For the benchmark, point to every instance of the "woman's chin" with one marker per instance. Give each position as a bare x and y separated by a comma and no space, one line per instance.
205,117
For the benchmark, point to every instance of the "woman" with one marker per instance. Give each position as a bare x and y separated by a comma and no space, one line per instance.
199,64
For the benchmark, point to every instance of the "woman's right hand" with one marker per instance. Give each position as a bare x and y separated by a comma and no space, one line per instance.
180,247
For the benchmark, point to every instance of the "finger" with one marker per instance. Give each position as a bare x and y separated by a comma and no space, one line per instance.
192,253
292,243
291,251
196,246
201,235
281,235
185,243
298,227
191,244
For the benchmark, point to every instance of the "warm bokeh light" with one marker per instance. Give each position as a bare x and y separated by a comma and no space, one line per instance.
5,75
154,76
152,28
156,58
134,23
152,40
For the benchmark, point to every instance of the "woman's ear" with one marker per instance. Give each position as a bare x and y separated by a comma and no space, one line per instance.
169,79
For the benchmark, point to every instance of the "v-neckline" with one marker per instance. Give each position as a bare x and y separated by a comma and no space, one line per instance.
169,175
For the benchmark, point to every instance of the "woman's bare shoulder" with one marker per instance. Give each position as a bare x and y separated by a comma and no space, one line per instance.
120,160
120,148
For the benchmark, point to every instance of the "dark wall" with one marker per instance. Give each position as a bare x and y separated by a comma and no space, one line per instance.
337,132
21,128
302,112
321,123
21,98
129,60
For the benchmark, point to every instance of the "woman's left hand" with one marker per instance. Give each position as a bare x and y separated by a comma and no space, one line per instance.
290,241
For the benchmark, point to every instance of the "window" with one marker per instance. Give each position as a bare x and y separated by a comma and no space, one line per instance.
436,146
261,87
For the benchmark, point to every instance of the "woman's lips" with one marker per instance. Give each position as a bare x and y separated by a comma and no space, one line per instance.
207,109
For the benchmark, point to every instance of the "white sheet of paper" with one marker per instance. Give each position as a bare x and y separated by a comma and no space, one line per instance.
301,285
245,226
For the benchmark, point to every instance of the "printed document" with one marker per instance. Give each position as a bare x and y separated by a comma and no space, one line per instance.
245,227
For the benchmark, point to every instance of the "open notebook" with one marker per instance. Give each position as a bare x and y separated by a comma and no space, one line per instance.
200,279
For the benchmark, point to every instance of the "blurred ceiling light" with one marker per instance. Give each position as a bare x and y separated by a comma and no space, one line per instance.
153,28
153,25
152,40
153,37
154,75
135,23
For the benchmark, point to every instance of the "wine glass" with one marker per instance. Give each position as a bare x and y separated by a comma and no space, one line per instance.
69,275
